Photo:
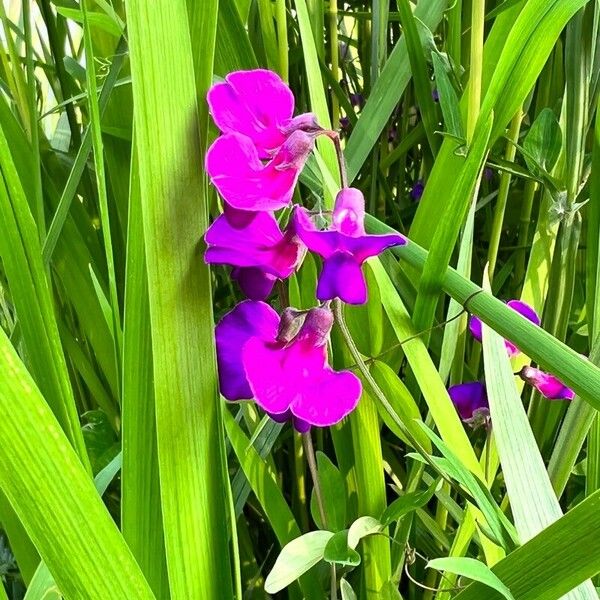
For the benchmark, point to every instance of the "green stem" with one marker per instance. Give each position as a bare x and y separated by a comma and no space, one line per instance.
335,62
282,39
312,466
476,68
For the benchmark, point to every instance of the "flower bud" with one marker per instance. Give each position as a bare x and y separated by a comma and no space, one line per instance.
316,326
549,386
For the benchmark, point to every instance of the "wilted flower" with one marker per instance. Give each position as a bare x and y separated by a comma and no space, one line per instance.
259,105
549,386
522,308
344,247
470,400
282,364
254,244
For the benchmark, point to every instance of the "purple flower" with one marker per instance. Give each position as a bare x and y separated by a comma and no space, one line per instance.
549,386
435,94
522,308
245,183
254,244
417,189
344,247
357,100
259,105
488,174
282,364
470,400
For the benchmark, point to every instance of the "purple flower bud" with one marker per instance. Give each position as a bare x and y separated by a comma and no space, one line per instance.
392,134
488,174
435,95
549,386
357,100
470,400
417,190
344,123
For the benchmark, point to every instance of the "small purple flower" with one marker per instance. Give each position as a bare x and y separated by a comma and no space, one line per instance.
357,100
259,105
488,174
345,124
282,364
392,134
344,247
417,190
470,400
254,244
435,94
549,386
245,183
522,308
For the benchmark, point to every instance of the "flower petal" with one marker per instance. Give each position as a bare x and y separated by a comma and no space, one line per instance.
349,212
254,103
254,282
324,243
235,170
327,398
365,246
247,320
468,398
342,278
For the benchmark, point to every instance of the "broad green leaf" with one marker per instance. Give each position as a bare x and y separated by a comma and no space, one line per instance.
338,552
361,528
191,455
54,496
543,142
96,19
473,569
296,558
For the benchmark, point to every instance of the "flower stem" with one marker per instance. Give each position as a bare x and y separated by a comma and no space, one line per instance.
312,467
335,138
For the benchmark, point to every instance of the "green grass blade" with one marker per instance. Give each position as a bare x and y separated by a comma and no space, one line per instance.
55,498
22,260
141,517
571,546
174,207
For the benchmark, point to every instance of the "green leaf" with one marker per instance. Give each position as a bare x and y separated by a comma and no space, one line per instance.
543,142
362,527
55,498
448,98
338,552
346,590
191,456
473,569
333,490
97,20
570,545
408,503
296,558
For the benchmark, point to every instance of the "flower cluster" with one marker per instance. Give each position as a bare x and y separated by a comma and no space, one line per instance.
280,361
470,398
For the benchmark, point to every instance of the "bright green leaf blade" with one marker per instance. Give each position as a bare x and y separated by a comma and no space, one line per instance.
174,207
296,558
473,569
54,497
338,552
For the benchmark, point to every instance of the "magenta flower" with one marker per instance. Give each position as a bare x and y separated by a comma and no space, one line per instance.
522,308
470,400
282,364
254,244
245,183
549,386
344,247
259,105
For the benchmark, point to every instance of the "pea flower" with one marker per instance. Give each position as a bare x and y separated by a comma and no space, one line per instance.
259,105
281,362
522,308
417,190
549,386
255,246
344,247
470,400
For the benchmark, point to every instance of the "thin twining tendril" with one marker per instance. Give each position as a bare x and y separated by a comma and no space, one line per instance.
410,555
